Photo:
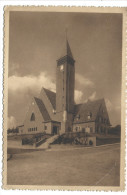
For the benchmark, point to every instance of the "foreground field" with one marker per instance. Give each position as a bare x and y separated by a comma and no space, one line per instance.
98,166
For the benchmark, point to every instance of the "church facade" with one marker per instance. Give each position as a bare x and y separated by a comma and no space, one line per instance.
57,113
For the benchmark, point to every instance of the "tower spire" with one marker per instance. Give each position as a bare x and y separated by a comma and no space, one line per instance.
66,33
66,50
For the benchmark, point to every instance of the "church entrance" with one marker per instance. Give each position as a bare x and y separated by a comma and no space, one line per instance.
55,130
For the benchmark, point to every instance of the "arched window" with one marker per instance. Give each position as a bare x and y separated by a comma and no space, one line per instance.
32,117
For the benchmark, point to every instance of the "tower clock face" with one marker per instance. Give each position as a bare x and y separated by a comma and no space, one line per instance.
62,68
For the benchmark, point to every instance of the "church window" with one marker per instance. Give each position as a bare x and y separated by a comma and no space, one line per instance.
83,129
45,127
76,128
91,129
78,117
79,127
32,117
89,115
36,128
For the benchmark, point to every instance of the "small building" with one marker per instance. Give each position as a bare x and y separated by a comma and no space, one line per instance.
55,113
91,117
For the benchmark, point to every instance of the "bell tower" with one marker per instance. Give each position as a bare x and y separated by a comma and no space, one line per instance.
65,84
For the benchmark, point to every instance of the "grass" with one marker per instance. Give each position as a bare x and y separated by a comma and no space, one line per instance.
82,166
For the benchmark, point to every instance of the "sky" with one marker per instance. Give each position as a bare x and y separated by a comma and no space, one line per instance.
36,41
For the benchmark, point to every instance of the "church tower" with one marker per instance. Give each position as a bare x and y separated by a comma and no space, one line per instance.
65,84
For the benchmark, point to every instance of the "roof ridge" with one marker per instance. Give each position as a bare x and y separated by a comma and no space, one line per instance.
48,90
51,97
42,108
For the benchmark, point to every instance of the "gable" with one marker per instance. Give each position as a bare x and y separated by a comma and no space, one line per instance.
90,108
33,114
103,113
36,112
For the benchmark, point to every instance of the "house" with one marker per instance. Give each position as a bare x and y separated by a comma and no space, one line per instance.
56,113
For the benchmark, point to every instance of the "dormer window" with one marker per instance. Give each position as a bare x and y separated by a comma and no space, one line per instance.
78,117
89,115
32,117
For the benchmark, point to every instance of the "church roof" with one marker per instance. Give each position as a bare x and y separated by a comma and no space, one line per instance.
66,50
42,109
69,53
81,111
51,96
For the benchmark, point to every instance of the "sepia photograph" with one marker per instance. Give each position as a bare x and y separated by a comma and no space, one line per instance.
63,98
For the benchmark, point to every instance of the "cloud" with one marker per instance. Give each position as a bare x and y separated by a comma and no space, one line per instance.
11,122
93,96
108,105
18,83
78,96
84,81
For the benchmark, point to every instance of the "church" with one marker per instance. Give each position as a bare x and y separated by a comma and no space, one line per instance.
57,113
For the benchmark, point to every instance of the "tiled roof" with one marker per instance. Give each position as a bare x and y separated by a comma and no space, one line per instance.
51,96
82,110
42,109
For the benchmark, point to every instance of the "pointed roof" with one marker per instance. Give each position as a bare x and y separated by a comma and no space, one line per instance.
51,96
66,50
69,53
42,109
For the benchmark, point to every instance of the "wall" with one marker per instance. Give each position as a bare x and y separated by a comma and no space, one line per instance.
49,127
101,128
87,127
33,108
65,87
102,119
93,139
21,129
